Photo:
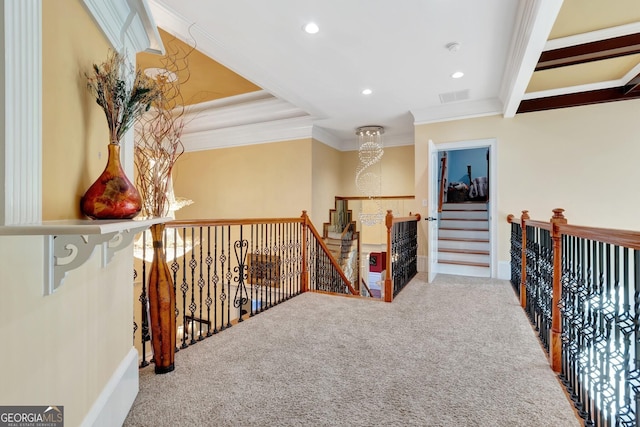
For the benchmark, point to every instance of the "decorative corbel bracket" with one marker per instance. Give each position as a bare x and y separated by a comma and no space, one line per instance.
70,243
68,252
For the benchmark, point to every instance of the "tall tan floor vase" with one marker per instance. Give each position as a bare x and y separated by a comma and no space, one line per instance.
162,303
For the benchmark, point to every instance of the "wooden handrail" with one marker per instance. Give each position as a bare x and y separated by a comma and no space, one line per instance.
415,217
377,197
626,238
366,287
345,231
442,183
334,263
539,224
214,222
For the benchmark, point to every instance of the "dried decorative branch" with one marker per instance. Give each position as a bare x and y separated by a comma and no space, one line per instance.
158,133
122,101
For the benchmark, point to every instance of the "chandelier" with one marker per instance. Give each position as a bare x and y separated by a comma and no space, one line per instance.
368,175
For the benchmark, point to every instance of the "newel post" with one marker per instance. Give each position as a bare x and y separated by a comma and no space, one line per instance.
388,283
556,327
523,273
304,283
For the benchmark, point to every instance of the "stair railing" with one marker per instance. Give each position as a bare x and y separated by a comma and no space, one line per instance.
402,253
443,174
580,287
366,288
225,271
327,275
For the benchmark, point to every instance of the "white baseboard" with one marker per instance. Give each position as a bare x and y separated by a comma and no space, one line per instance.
504,270
113,404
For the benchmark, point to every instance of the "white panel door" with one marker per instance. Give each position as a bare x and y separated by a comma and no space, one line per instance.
432,195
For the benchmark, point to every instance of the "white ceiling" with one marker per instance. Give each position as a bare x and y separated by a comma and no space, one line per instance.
397,48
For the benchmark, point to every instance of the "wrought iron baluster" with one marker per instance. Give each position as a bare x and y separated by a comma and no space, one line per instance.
216,280
184,288
200,286
229,276
251,272
209,300
192,305
174,269
240,247
516,257
223,294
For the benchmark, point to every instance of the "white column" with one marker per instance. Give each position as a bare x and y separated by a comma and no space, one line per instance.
21,112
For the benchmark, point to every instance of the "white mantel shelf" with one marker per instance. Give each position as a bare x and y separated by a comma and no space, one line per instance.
79,226
70,243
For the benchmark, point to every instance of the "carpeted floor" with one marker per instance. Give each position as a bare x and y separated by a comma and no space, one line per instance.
456,352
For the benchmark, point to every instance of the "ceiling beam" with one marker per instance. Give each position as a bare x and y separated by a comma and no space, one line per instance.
535,20
578,99
633,85
588,52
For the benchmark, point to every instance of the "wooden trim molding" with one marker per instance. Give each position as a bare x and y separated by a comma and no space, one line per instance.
578,99
588,52
127,24
536,18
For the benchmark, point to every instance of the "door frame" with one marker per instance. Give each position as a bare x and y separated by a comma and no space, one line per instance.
491,144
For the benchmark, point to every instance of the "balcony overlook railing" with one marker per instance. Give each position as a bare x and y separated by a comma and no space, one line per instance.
402,247
580,288
225,271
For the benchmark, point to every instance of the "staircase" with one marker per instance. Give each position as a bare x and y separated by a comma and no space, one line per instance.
346,252
463,239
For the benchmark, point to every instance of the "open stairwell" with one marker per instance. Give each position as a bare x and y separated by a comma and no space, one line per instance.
346,252
463,239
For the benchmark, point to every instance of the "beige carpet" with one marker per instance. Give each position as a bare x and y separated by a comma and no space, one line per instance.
457,352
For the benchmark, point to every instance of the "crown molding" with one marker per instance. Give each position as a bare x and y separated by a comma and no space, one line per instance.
399,140
178,25
536,18
457,111
327,138
249,134
127,24
252,118
260,107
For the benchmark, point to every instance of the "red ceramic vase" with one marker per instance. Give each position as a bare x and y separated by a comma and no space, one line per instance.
112,196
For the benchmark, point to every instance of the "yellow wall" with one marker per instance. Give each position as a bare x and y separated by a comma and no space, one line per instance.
281,179
256,181
63,348
582,159
326,182
397,171
74,129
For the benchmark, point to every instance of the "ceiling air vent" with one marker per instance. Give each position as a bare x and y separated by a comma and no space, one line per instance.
460,95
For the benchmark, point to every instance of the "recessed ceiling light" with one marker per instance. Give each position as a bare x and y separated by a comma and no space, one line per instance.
311,28
367,91
457,75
